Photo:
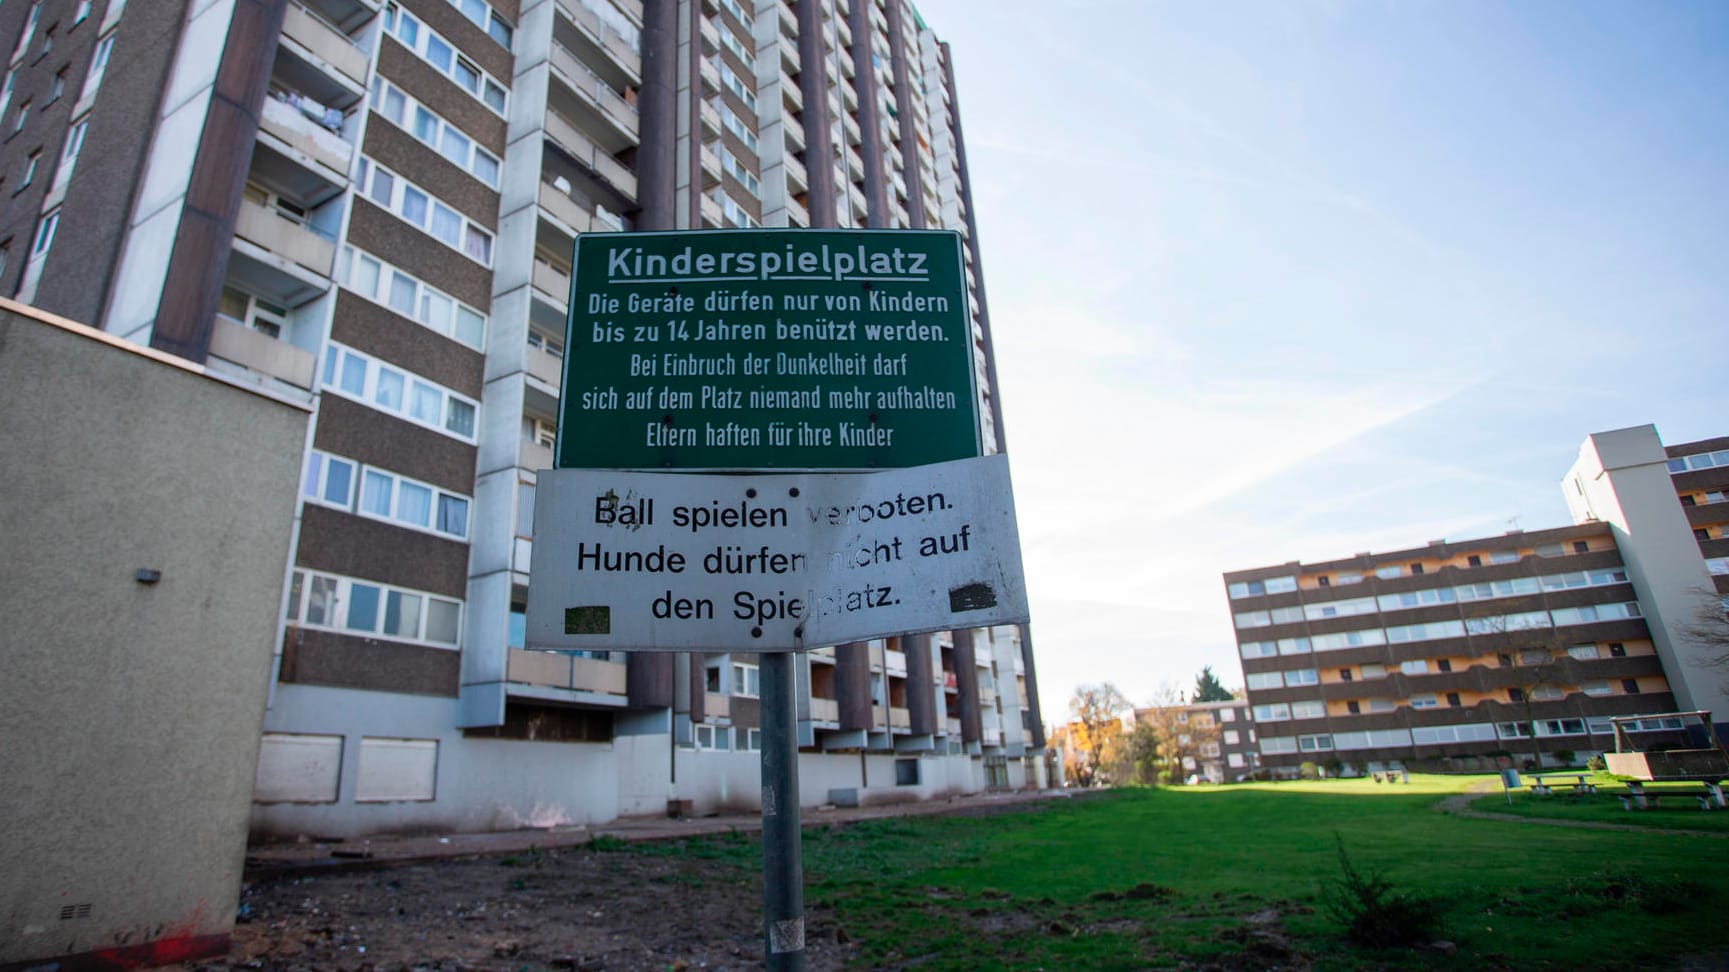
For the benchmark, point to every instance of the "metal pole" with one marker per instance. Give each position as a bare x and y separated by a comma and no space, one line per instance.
782,860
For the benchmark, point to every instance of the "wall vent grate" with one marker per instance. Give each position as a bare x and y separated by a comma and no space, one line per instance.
71,911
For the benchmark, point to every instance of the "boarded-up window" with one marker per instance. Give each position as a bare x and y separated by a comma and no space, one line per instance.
294,768
396,769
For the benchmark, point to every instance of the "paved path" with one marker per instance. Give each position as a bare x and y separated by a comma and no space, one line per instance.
1459,805
314,856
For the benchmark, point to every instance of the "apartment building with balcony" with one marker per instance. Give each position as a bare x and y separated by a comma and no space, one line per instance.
1522,645
371,205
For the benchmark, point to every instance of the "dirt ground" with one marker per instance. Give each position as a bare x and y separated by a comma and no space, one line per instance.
571,908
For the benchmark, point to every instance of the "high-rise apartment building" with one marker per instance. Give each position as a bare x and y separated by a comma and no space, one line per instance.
1524,644
372,205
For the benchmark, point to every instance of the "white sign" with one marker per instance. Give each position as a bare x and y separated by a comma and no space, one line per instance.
707,562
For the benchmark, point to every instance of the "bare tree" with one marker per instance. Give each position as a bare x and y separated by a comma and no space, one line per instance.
1710,630
1097,711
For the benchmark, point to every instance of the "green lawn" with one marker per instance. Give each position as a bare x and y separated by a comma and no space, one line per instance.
1235,877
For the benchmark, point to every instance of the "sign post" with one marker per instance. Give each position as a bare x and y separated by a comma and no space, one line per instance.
794,355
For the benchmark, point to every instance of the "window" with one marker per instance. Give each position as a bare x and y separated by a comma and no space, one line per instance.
1272,713
1617,650
1416,569
1699,533
1599,687
1313,709
1416,666
57,87
1473,561
386,496
1315,744
1583,652
74,142
1630,686
1301,676
752,741
1444,664
746,680
1231,737
439,135
29,170
736,85
24,113
1258,649
1388,573
1227,715
711,680
1516,695
1265,680
1453,700
47,41
1504,557
1426,701
1353,707
1580,546
252,312
82,13
398,392
1344,674
45,233
365,274
1339,609
366,608
439,53
714,738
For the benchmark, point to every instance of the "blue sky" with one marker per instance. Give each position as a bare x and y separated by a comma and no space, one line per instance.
1289,281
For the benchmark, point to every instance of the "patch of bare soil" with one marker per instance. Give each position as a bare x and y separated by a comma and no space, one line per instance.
573,909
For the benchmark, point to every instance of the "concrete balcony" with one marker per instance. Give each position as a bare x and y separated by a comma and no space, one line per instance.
305,141
710,76
992,737
554,670
553,283
788,19
596,93
825,655
710,167
789,61
604,39
824,710
853,135
710,116
583,149
895,663
854,165
879,717
791,95
544,365
797,214
285,238
535,457
797,179
710,35
716,706
234,342
575,215
952,727
900,718
324,42
712,216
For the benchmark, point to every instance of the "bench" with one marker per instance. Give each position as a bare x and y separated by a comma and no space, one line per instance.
1638,798
1542,786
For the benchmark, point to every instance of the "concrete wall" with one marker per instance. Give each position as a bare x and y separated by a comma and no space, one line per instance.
1622,478
480,784
130,711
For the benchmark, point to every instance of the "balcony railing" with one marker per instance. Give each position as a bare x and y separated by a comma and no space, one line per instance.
543,364
300,133
285,237
592,88
622,52
895,662
233,341
900,718
716,706
583,149
552,282
535,456
553,669
326,42
824,710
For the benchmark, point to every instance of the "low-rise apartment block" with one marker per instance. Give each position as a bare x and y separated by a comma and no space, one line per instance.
1459,653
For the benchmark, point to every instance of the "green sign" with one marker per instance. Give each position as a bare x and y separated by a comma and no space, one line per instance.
768,349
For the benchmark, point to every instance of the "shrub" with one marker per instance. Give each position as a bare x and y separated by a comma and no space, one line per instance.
1596,764
1309,771
1374,914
